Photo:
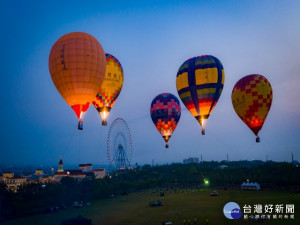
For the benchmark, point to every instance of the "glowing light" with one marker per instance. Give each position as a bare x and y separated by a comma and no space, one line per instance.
81,115
104,114
166,131
206,181
203,123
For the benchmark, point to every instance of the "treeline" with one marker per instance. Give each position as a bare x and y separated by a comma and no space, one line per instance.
36,198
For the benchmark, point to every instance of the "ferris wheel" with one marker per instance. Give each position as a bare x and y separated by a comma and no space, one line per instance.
119,145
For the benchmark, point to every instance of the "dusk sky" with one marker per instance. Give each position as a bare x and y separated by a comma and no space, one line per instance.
151,39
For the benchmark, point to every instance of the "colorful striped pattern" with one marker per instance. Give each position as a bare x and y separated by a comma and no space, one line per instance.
112,84
165,112
252,99
199,84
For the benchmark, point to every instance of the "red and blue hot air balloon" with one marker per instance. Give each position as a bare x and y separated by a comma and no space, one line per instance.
165,112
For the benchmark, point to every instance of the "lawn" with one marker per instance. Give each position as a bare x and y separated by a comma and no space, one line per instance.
133,209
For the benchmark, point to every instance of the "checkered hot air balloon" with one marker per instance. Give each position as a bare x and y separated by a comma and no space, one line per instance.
165,112
77,68
199,84
111,87
252,99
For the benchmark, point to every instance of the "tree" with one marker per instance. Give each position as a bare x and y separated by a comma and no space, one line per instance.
77,221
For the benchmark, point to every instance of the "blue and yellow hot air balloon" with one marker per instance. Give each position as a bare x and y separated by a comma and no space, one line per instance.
199,84
165,112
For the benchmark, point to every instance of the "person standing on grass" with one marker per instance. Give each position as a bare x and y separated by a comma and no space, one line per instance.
195,221
183,221
206,221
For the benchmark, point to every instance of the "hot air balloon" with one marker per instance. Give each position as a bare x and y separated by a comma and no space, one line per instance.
251,99
111,87
165,112
199,84
77,68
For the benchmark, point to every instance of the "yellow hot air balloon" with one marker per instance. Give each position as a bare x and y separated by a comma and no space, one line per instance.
111,87
77,68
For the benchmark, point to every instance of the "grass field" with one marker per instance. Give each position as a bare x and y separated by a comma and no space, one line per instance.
133,209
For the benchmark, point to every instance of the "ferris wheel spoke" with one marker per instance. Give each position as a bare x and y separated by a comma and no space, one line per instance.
119,145
114,157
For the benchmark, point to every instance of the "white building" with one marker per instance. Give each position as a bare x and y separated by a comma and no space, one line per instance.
191,160
99,173
250,186
86,167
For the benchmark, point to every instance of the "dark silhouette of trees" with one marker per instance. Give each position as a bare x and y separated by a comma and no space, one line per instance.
35,198
77,221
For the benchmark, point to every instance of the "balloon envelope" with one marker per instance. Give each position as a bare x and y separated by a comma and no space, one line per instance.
110,88
77,68
251,99
165,112
199,84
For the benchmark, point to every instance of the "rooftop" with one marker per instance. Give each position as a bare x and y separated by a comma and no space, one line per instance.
70,172
85,165
97,170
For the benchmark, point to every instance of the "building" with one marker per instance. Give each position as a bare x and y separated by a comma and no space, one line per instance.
39,172
86,167
84,171
295,163
46,179
76,174
250,186
12,182
223,167
8,175
191,160
99,173
60,165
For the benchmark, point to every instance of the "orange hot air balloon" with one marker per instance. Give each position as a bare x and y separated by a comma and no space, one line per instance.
77,68
252,99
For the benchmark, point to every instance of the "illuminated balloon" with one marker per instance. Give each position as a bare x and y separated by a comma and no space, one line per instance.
252,99
199,84
111,87
165,112
77,68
